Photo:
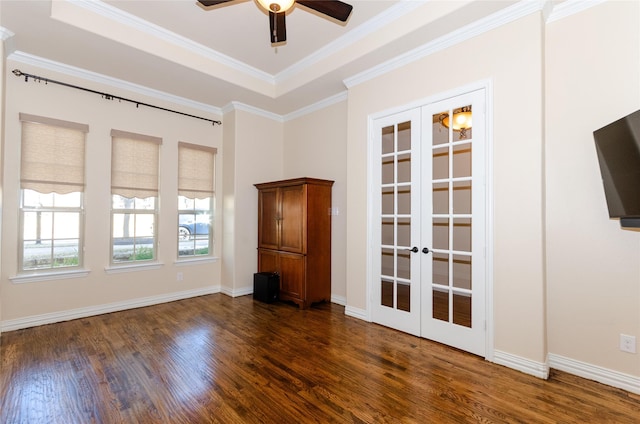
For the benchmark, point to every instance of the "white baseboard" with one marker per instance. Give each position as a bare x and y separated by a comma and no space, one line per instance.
50,318
527,366
606,376
242,291
339,300
356,313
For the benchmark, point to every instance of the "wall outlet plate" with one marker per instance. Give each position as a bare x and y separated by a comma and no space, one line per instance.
627,343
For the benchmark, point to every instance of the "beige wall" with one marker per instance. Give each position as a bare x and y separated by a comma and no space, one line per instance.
256,142
516,75
321,153
593,78
33,299
227,204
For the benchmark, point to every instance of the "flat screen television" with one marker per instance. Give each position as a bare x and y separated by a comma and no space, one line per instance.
618,147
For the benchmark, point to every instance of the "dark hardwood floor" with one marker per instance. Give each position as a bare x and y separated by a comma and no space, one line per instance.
215,359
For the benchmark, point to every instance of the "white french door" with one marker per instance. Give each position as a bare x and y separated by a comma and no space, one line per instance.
396,291
428,221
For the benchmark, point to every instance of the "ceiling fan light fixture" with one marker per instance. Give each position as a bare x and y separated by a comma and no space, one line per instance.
278,6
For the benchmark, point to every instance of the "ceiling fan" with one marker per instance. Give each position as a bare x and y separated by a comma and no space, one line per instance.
277,9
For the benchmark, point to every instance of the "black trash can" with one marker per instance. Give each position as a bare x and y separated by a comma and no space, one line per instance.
266,286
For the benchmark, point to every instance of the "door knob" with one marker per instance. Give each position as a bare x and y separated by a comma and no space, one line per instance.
414,249
425,250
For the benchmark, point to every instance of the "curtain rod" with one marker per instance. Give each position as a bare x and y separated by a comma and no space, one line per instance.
107,96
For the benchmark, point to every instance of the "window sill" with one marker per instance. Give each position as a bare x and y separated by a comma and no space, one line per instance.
116,269
195,260
47,276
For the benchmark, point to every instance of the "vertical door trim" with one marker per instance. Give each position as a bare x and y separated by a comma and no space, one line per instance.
487,85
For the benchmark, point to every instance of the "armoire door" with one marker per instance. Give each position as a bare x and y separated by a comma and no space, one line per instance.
269,218
292,218
428,222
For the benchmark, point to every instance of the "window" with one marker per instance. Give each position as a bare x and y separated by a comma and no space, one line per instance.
134,197
51,193
195,200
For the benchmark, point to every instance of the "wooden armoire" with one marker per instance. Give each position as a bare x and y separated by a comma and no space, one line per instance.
294,237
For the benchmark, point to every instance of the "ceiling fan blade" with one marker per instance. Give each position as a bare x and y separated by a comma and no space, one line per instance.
334,8
207,3
278,28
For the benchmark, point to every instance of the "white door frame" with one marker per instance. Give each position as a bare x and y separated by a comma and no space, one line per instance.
489,199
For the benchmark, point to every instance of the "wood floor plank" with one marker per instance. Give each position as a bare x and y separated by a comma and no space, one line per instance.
215,359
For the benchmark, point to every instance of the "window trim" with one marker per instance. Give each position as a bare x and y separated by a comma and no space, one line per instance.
210,237
52,269
77,184
63,274
137,191
130,211
191,187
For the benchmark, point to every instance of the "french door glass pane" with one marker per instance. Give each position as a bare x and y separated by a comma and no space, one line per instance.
462,309
441,163
404,136
441,198
462,160
440,132
404,264
404,200
462,272
388,201
404,168
387,170
461,198
440,304
404,232
441,233
386,295
440,269
387,262
404,297
462,234
462,121
388,231
387,142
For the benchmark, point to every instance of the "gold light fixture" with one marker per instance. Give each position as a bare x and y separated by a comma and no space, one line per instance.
277,6
462,120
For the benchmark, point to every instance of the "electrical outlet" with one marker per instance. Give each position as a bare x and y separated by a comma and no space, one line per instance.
179,277
627,343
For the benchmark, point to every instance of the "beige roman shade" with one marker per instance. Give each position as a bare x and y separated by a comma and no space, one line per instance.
134,164
195,170
52,157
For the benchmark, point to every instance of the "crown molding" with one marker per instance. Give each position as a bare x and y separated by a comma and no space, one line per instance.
337,98
230,107
358,33
39,62
571,7
113,13
465,33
